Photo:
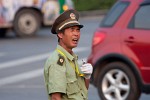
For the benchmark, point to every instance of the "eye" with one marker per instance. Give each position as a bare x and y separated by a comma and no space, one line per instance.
78,30
72,29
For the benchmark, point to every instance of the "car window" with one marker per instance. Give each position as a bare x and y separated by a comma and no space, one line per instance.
141,20
114,14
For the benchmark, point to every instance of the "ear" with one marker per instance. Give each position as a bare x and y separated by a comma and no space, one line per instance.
60,34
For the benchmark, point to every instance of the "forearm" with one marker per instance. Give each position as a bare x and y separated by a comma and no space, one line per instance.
87,82
55,96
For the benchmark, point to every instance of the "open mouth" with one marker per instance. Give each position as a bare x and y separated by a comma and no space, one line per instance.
75,40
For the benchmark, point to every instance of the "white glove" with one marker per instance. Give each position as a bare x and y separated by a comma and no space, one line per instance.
87,70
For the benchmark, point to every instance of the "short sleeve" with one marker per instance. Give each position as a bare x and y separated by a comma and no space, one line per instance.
57,79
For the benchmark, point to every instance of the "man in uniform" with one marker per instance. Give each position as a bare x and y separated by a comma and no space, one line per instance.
64,79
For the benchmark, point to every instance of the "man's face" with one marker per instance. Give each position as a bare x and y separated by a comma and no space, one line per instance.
70,37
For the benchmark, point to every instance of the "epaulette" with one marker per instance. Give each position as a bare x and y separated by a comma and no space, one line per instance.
61,60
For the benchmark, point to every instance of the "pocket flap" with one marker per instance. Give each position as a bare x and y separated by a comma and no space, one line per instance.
72,87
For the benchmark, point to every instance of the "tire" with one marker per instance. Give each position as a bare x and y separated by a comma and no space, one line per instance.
3,32
117,82
26,23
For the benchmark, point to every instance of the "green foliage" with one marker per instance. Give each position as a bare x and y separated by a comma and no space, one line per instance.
85,5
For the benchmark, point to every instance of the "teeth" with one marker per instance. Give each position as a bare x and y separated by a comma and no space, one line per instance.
75,39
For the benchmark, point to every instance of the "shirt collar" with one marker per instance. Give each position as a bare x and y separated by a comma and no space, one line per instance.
67,54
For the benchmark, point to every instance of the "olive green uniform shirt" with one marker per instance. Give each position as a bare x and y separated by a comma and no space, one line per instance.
60,76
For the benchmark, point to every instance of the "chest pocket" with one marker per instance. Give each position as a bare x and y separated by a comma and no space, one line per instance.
72,89
72,84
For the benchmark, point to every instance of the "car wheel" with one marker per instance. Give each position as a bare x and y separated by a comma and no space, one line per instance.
26,23
117,82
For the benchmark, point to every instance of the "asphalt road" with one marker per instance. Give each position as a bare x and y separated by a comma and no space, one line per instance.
22,61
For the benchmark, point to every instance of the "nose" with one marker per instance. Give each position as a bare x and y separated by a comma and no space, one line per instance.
76,33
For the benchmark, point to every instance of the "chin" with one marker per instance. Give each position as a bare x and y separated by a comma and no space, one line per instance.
73,46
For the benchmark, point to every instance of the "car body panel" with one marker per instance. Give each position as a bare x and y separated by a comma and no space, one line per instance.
137,46
132,44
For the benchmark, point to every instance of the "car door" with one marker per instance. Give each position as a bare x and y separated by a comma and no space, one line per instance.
136,40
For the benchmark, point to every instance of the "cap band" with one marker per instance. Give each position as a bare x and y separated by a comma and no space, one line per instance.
68,23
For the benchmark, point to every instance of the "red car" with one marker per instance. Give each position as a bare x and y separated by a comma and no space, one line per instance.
121,51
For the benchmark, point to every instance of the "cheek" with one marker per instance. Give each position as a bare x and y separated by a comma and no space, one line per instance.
79,35
67,39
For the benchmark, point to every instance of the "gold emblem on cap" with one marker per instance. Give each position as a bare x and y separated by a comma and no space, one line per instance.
72,16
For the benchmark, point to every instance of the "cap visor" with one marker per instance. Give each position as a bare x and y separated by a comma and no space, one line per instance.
71,25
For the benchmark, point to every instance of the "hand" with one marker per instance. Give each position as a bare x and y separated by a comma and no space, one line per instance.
87,70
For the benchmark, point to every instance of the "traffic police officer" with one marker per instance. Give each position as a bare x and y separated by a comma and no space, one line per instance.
64,79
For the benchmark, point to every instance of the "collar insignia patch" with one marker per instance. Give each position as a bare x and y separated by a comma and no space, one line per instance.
60,60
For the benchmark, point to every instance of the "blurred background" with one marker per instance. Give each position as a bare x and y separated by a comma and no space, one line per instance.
84,5
26,17
26,42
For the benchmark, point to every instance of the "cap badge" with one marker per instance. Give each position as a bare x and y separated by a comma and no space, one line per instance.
72,16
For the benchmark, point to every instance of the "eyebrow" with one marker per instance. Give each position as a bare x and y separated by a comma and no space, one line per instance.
74,27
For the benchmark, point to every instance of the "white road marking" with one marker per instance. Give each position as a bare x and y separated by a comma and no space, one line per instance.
20,77
22,61
31,59
25,76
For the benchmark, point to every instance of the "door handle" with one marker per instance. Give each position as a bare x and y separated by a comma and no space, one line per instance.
130,39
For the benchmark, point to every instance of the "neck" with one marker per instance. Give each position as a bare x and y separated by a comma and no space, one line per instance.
66,48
